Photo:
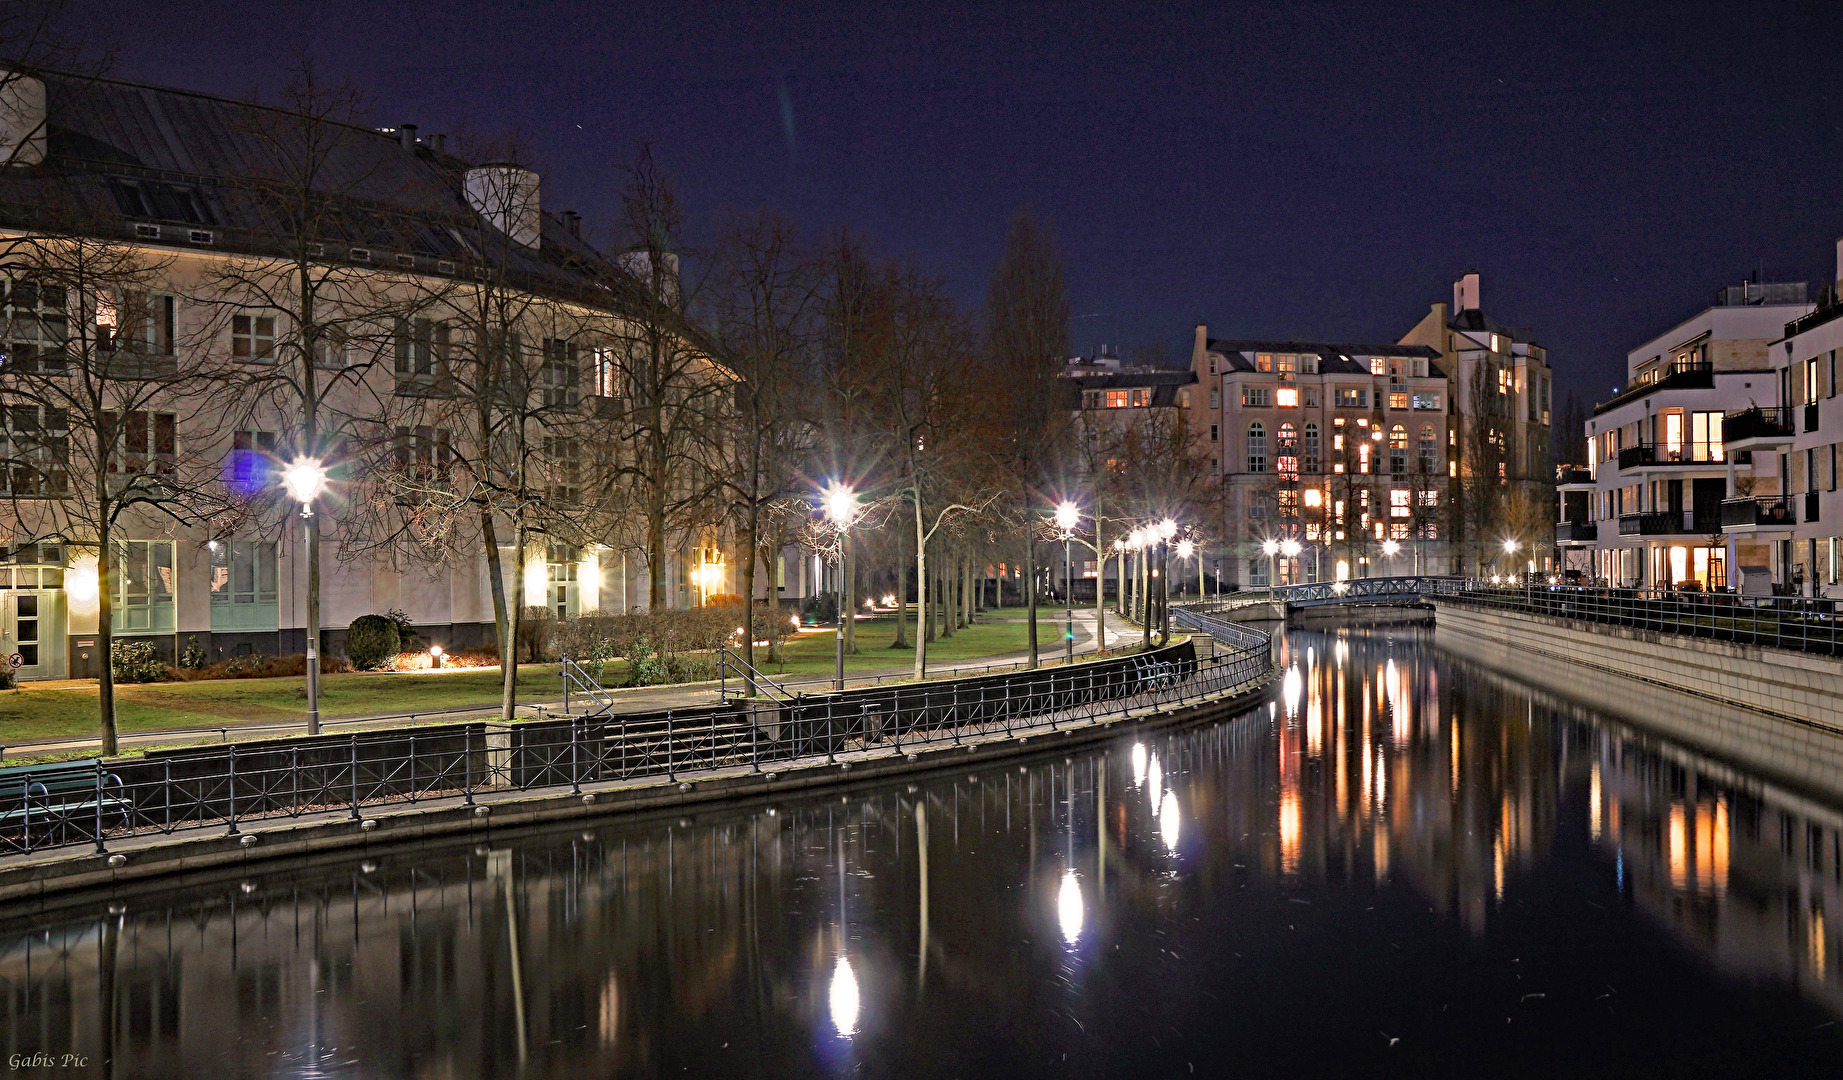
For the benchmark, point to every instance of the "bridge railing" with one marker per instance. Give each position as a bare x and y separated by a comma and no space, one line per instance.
1350,591
327,777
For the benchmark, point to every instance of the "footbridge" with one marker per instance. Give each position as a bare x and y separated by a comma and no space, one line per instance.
1284,598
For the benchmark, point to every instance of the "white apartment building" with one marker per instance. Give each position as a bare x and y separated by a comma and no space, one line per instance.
1698,426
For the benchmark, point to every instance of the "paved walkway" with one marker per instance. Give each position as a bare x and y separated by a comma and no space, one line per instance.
635,700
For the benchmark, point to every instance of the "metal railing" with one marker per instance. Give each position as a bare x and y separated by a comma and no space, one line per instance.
1783,622
1352,591
326,778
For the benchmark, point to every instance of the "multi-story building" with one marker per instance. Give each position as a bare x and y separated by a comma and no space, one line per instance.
1501,390
1698,422
193,191
1131,419
1336,448
1794,527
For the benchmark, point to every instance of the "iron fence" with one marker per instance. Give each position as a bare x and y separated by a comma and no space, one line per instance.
1799,624
228,786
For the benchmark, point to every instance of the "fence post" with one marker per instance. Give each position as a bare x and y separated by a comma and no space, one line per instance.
564,670
575,772
233,790
467,766
355,777
670,773
755,763
412,766
100,850
830,757
294,780
954,727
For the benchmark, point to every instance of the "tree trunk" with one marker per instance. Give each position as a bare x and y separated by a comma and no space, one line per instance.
1030,592
902,602
949,609
924,583
502,617
105,637
921,576
1100,589
748,604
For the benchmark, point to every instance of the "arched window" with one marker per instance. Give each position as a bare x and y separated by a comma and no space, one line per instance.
1257,447
1286,452
1398,450
1308,449
1430,448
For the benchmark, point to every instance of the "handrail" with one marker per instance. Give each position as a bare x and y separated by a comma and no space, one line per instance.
231,787
728,661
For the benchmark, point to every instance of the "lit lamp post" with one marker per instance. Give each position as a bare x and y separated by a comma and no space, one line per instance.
1067,516
1290,549
1510,548
1390,549
841,506
1166,530
1270,548
1185,549
305,479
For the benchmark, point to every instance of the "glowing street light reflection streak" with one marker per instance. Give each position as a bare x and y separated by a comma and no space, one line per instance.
844,999
1069,907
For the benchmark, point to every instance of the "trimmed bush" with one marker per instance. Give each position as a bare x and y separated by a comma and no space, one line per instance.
372,641
134,662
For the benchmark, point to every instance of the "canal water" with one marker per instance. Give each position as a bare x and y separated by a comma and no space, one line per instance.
1401,866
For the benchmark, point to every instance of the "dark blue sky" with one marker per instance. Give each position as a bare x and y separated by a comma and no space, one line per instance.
1317,170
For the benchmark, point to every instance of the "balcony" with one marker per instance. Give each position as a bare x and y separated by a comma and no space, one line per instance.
1757,427
1647,455
1756,514
1567,476
1683,375
1577,532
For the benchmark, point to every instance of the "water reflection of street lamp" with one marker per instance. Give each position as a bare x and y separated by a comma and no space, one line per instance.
844,998
841,505
305,479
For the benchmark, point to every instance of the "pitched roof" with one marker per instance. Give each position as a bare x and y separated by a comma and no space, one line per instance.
122,153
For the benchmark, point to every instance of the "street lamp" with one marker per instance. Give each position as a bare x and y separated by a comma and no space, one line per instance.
304,480
1270,548
1067,516
1185,549
1391,548
841,507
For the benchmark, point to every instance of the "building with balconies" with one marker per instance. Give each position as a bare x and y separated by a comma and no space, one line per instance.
1686,450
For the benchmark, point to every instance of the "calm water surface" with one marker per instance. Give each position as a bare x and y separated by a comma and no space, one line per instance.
1403,866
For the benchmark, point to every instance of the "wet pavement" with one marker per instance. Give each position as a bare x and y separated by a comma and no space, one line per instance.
1402,866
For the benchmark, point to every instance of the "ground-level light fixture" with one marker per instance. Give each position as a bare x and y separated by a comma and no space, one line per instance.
435,656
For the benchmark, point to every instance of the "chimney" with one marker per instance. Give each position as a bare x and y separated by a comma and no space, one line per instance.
1465,292
1839,281
573,222
406,133
439,142
1199,347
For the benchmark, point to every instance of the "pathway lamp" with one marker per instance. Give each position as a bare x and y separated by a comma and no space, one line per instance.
1270,548
1390,549
1186,549
1068,515
841,507
1291,549
305,479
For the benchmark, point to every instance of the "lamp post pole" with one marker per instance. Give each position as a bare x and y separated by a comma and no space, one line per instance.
840,504
304,480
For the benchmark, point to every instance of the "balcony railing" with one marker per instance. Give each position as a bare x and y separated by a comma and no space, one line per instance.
1572,474
1686,453
1577,532
1683,375
1744,513
1668,523
1757,423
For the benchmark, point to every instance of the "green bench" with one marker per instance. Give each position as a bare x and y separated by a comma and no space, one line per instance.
60,788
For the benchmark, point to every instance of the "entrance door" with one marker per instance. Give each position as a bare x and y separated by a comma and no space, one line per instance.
34,628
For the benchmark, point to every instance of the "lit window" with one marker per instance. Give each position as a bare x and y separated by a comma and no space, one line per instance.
1287,397
1398,503
1314,497
1378,366
1263,361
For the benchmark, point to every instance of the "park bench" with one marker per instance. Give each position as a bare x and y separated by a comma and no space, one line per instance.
61,789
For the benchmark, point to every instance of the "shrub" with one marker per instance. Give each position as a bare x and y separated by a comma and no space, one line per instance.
194,658
134,662
407,638
372,641
534,633
9,679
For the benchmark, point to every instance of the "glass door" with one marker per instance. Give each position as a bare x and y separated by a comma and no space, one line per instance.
34,631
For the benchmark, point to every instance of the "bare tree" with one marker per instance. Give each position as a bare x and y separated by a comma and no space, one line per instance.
95,393
1027,337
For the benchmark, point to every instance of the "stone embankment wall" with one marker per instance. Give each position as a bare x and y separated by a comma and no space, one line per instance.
1774,710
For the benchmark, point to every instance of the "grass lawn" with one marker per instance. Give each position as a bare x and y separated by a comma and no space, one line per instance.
41,713
38,712
812,653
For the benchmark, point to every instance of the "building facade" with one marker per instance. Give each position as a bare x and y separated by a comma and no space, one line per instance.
190,189
1700,422
1337,448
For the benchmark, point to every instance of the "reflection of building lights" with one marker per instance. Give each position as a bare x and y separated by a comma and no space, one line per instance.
1138,764
844,999
1069,907
1289,830
1292,688
1156,781
1167,822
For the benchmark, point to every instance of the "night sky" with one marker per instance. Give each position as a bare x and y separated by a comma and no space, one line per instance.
1317,170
